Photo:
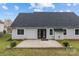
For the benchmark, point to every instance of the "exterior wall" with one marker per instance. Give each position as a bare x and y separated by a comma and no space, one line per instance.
28,34
48,36
1,27
70,34
76,36
59,35
73,36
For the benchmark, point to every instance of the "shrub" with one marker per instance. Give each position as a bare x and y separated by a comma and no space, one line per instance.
13,44
1,34
4,31
9,39
66,44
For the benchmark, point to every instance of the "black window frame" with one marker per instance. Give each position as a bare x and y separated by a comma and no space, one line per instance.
51,31
20,31
76,31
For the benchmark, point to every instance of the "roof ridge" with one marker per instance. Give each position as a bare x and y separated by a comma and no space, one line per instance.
53,12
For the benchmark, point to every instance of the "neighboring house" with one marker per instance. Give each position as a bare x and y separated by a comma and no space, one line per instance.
47,25
1,26
7,24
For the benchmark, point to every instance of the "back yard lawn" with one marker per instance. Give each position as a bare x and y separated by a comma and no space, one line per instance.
73,43
4,43
36,52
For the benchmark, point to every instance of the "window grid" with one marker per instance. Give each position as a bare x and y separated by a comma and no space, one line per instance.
76,31
20,31
51,32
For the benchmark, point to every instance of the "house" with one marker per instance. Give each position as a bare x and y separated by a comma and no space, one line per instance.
1,26
47,25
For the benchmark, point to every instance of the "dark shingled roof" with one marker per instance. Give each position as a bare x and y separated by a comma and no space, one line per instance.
47,19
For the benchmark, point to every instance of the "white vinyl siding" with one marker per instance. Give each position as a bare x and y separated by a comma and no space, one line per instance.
33,34
28,34
48,36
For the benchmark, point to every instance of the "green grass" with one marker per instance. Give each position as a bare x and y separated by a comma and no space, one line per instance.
4,43
73,43
37,52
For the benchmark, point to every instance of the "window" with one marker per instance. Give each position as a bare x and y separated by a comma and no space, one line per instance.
65,32
51,32
20,31
76,31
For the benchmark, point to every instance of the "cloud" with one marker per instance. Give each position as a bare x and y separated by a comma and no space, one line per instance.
61,11
69,4
74,4
4,7
16,7
32,5
68,11
40,6
38,10
46,5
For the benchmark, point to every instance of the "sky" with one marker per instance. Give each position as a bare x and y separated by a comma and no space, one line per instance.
11,10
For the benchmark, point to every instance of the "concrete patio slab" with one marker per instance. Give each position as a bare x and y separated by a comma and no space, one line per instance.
39,44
